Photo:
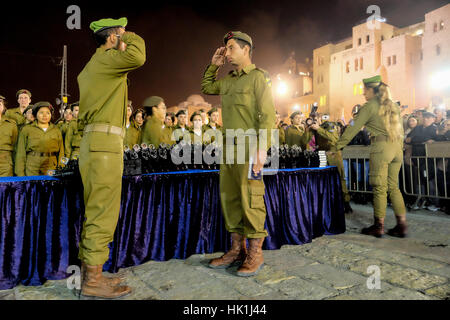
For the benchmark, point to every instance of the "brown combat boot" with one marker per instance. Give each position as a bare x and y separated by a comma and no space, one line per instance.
400,230
376,230
113,280
236,254
94,284
254,260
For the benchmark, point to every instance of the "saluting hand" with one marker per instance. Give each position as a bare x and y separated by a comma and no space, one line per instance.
218,58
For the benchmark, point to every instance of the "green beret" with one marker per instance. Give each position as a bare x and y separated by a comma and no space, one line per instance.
2,97
238,35
152,101
376,79
104,24
23,91
180,112
41,104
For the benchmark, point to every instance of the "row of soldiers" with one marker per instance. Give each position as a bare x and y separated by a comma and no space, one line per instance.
31,145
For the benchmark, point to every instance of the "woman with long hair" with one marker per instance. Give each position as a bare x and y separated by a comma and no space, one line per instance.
381,116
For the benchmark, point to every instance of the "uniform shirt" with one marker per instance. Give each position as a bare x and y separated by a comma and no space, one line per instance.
154,133
63,126
247,101
367,116
218,133
73,138
294,136
281,135
103,83
132,135
8,134
16,115
178,136
33,138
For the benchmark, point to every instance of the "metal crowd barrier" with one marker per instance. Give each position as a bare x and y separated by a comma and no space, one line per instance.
425,175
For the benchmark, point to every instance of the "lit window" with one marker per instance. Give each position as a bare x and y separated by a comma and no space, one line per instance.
359,41
356,64
355,89
438,50
361,63
394,59
347,67
441,25
367,39
389,61
382,37
361,88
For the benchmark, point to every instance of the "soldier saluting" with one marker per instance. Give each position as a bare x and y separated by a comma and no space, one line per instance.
247,103
103,112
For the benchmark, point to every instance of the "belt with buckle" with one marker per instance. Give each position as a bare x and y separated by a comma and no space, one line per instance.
105,128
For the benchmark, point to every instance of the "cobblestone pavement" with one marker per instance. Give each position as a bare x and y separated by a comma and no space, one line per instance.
331,267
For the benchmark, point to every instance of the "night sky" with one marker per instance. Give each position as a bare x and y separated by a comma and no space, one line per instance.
180,38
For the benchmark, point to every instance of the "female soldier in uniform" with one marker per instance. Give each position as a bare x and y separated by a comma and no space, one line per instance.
381,116
132,131
40,147
8,139
295,132
138,118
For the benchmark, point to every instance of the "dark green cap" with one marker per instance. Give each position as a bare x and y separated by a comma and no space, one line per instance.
41,104
104,24
152,101
23,91
294,114
375,80
2,97
238,35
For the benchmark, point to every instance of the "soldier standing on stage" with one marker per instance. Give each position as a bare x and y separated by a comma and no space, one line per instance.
247,103
16,114
8,139
40,145
103,108
74,134
153,132
381,116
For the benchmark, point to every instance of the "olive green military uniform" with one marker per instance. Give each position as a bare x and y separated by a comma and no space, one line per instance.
72,140
38,151
247,104
103,111
294,136
16,115
385,158
132,135
327,136
8,140
154,133
281,135
178,133
217,130
63,126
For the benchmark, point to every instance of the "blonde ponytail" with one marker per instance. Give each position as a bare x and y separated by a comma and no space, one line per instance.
390,113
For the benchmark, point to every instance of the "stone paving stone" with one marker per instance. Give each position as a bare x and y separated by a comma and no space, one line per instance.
329,277
405,260
398,275
440,292
304,290
444,271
